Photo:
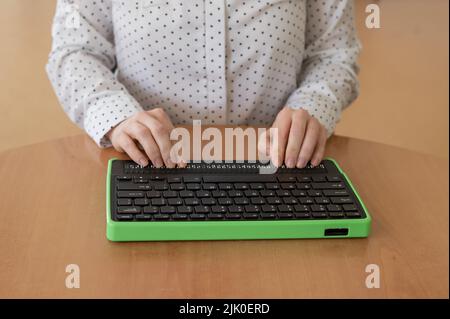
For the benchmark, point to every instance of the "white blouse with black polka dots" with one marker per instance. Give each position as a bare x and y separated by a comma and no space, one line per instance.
221,61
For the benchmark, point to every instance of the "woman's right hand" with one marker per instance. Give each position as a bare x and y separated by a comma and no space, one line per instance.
145,136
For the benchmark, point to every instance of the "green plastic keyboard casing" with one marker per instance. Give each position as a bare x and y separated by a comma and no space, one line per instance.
120,231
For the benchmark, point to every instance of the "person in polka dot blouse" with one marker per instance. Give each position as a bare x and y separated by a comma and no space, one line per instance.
127,71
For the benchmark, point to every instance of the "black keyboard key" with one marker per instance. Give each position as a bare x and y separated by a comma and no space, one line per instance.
161,217
151,210
236,209
287,186
214,216
334,208
256,186
192,179
219,209
169,194
225,186
335,192
252,209
209,186
251,193
175,201
334,178
314,193
255,178
124,217
161,186
286,178
353,214
327,185
124,202
193,187
285,215
268,208
250,215
283,193
241,201
157,177
186,194
306,200
130,194
257,201
235,193
301,208
303,186
232,216
319,179
197,216
228,201
158,202
285,208
321,200
184,210
176,187
304,179
140,179
349,208
123,178
241,186
217,194
192,201
274,200
179,217
143,218
141,202
201,209
319,215
272,186
128,210
168,210
318,208
290,200
302,215
268,215
298,193
153,194
203,194
267,193
336,214
208,201
174,179
341,200
132,186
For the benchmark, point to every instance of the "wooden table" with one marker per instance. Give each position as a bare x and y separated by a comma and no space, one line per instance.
52,213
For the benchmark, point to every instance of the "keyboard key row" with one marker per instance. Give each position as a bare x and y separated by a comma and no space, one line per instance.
233,193
143,184
234,216
167,209
190,201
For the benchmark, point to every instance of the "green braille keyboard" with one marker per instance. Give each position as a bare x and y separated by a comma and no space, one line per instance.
226,200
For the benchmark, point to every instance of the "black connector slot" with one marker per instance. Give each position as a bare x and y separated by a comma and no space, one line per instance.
336,232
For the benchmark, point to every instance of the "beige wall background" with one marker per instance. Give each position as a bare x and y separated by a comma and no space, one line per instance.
404,77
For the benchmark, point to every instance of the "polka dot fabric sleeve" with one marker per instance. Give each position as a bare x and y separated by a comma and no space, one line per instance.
81,65
328,81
